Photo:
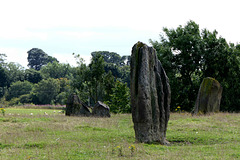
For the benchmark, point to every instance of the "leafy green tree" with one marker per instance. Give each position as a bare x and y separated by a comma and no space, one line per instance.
113,58
32,75
10,72
19,88
119,66
25,99
230,81
108,57
80,83
47,90
189,55
65,91
56,70
4,81
120,98
38,58
15,72
96,77
115,70
180,54
109,84
61,98
2,59
4,77
92,82
125,70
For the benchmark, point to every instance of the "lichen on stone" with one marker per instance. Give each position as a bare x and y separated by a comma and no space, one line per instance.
209,96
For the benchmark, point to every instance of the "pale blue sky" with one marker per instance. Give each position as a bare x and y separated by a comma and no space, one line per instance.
61,27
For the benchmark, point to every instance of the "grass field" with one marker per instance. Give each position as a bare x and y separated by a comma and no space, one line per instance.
33,134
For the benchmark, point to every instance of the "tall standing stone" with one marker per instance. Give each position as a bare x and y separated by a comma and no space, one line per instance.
150,95
209,96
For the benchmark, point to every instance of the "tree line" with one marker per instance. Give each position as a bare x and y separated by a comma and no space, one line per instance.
187,54
47,81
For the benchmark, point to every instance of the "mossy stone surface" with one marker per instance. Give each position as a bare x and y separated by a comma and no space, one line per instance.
209,96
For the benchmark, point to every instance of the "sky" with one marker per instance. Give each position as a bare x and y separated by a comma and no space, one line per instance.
63,27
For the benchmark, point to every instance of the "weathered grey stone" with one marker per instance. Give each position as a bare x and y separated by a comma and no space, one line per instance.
150,95
75,107
209,96
101,110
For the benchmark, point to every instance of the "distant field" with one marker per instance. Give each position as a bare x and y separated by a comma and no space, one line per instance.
49,134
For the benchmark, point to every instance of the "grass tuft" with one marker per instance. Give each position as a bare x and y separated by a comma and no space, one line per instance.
39,145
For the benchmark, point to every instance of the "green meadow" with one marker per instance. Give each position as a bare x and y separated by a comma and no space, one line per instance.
40,134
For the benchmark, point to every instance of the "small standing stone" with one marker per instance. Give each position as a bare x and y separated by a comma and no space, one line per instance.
209,96
101,110
75,107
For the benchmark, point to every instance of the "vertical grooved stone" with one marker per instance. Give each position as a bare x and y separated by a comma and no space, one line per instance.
150,95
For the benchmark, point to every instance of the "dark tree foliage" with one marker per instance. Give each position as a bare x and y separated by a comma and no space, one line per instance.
119,66
108,83
47,90
15,72
116,72
97,82
119,100
2,59
189,55
4,77
18,89
32,75
56,70
38,58
4,80
109,57
113,58
96,76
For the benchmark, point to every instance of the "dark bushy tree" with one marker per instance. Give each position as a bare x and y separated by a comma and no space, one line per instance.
109,57
99,84
32,75
47,90
15,72
119,101
18,89
56,70
37,58
189,55
119,66
4,81
96,77
4,77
